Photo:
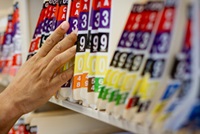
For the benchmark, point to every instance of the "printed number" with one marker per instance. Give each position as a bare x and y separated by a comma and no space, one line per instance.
142,40
122,59
93,65
137,61
84,18
122,42
105,21
82,43
131,37
164,43
115,59
80,64
78,84
104,42
75,23
152,17
79,78
97,19
95,42
157,69
145,40
129,61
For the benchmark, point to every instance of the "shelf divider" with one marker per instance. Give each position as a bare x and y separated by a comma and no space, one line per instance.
102,116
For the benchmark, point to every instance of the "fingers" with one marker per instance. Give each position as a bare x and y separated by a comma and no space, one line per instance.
63,77
59,61
63,45
53,39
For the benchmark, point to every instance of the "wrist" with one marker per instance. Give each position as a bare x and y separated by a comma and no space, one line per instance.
9,113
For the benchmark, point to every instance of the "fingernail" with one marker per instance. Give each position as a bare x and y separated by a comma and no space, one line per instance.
64,25
76,31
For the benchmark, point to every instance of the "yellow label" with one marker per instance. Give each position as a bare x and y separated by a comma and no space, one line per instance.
128,82
79,64
136,86
107,75
163,117
86,66
158,108
151,90
119,79
144,86
101,65
92,63
112,77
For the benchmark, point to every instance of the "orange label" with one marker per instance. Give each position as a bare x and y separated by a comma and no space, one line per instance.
84,82
76,82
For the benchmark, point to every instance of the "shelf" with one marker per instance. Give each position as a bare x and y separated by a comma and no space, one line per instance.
102,116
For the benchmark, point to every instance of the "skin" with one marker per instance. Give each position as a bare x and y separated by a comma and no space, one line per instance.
38,79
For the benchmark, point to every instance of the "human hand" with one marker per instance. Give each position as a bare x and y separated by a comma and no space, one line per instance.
38,79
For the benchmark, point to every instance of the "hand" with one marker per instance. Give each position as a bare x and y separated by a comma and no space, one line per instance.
38,79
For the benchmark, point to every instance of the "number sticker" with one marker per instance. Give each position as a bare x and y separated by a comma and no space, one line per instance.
122,59
84,21
74,24
79,62
105,20
97,19
95,42
137,62
82,41
104,39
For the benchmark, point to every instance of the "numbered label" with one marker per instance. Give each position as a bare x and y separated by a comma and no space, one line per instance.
79,62
154,67
101,65
105,18
82,41
83,22
137,62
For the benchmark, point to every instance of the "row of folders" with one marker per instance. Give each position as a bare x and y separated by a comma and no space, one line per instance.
136,59
10,43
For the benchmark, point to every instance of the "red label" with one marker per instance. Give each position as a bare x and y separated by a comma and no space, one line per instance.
75,5
17,60
96,5
166,23
62,13
34,44
106,4
84,6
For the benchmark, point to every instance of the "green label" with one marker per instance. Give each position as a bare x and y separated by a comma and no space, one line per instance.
98,84
121,98
101,92
106,93
113,95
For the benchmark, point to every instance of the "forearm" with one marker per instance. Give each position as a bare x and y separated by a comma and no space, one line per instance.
9,113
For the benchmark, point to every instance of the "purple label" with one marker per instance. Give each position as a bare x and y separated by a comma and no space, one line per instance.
161,43
54,24
95,18
141,40
126,39
105,18
83,21
73,21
